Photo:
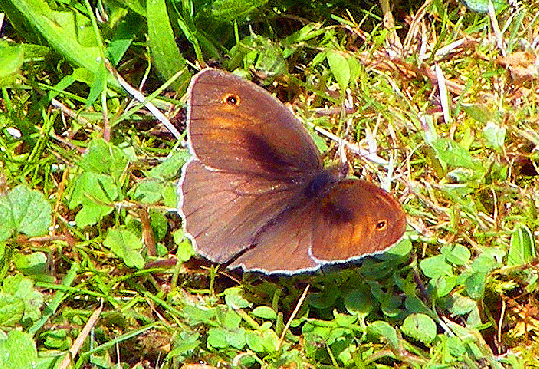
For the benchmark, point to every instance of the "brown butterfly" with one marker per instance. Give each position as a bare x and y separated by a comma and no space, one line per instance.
255,193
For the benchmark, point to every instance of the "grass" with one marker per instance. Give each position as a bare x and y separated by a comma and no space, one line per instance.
92,246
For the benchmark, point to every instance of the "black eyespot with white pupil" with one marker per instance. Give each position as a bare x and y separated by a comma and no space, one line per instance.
381,225
231,99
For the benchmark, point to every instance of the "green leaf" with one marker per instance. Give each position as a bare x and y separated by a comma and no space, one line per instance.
265,312
400,251
340,68
308,32
451,153
522,247
18,293
456,254
259,53
462,305
234,298
230,320
344,320
224,338
475,285
105,158
381,329
228,10
414,304
444,284
126,246
495,135
315,333
159,223
391,306
35,265
96,188
170,196
456,345
185,344
124,34
96,193
57,339
197,315
355,69
165,53
18,350
148,191
323,300
184,250
358,303
11,59
475,318
171,167
435,266
263,341
11,310
489,259
479,112
23,210
68,32
420,327
97,85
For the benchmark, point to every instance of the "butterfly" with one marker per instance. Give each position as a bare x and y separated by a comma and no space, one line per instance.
255,193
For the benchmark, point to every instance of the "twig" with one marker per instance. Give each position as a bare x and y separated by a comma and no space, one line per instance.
443,93
81,338
296,309
496,28
69,112
140,97
371,156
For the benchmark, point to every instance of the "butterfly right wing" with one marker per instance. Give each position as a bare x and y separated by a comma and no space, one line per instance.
348,220
355,219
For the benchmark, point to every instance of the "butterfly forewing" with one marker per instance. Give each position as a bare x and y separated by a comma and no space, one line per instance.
236,126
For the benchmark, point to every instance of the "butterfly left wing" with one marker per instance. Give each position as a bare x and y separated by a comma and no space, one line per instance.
236,126
282,246
223,212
